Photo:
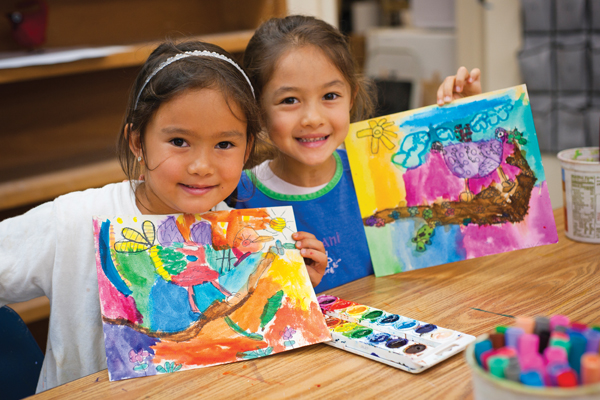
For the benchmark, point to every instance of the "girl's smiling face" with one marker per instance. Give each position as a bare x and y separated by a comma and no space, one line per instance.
195,150
307,105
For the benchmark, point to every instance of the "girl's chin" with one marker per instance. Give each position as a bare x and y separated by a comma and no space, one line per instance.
315,162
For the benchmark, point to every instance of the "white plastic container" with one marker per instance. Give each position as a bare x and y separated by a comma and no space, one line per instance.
489,387
581,193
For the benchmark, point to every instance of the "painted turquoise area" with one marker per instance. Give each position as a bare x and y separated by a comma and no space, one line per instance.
456,113
238,276
206,294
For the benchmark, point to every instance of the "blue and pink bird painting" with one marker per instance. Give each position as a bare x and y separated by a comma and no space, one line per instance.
179,292
442,184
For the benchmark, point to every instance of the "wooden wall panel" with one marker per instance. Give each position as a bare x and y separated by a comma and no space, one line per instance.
111,22
55,123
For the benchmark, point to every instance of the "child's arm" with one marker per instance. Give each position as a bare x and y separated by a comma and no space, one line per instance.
463,84
314,255
27,251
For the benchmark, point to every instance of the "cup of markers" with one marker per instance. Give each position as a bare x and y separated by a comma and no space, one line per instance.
537,358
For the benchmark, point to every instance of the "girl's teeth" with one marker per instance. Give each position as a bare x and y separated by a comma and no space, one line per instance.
311,139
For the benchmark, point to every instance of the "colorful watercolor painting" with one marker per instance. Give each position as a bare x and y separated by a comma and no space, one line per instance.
442,184
179,292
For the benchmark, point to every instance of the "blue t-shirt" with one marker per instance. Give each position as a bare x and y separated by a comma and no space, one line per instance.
331,214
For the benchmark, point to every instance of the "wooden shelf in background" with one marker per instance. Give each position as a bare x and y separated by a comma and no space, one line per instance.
45,187
137,55
32,310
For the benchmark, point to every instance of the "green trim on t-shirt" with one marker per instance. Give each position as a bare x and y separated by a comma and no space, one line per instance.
339,169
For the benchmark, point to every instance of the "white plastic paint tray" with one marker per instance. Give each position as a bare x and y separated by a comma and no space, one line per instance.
392,339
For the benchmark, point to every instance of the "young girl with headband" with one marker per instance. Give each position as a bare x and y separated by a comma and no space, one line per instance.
191,124
309,91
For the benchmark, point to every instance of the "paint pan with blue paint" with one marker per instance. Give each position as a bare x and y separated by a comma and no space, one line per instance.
396,340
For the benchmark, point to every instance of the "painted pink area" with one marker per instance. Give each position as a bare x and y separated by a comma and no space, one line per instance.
476,185
114,303
431,181
538,228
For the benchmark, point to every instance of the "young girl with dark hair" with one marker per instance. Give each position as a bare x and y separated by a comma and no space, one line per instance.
190,126
309,90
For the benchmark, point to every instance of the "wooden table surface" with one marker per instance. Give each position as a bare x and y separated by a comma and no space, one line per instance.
470,296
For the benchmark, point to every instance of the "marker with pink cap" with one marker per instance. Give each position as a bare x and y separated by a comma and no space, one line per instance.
559,320
555,355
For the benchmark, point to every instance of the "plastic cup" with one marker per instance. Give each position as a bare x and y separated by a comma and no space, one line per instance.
580,179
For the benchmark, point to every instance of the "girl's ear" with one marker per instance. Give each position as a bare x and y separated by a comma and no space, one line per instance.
134,140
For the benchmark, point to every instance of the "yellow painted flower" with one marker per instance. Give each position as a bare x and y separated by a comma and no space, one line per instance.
379,131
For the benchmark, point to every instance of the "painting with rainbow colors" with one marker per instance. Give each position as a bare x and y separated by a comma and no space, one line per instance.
442,184
179,292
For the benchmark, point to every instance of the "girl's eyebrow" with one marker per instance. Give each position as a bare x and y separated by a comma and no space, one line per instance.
234,133
173,129
231,134
285,89
336,82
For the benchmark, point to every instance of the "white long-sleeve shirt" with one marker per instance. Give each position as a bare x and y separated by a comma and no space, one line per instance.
50,251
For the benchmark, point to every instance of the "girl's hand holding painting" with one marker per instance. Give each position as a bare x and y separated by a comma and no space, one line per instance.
314,255
464,84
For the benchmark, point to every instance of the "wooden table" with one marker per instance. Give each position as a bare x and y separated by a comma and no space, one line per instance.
470,296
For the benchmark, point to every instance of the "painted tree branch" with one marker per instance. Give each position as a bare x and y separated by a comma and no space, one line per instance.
492,205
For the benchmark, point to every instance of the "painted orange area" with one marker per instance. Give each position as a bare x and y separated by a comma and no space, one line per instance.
308,323
357,310
184,222
248,316
216,344
257,218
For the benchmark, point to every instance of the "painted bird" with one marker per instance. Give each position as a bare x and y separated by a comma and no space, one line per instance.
29,22
471,160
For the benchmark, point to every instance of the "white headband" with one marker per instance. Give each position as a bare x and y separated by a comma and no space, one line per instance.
186,54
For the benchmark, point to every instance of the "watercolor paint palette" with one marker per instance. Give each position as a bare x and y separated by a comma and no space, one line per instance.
395,340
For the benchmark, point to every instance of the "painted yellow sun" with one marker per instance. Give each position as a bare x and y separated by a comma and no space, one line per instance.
380,131
277,224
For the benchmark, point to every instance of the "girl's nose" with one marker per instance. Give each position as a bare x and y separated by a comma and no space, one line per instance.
200,164
313,116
